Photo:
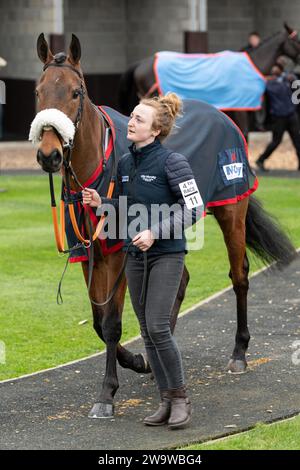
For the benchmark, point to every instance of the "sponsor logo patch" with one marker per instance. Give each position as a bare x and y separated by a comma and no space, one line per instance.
233,171
148,178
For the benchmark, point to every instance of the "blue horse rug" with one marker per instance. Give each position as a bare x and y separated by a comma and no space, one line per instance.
214,146
226,80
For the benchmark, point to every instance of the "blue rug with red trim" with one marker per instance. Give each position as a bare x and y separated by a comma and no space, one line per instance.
227,80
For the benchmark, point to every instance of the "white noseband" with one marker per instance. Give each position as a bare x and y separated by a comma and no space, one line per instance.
54,118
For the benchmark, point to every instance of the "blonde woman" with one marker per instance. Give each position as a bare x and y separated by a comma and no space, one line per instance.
151,174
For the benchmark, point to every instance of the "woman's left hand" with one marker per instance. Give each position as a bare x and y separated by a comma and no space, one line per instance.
144,240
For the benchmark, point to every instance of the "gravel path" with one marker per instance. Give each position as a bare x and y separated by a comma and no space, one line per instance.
49,410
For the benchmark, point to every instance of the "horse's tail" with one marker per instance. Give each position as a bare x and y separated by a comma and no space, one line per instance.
127,93
266,238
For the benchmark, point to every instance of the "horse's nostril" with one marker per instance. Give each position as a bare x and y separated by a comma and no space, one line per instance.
40,156
50,162
55,157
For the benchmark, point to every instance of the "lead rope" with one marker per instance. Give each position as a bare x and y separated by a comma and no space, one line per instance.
145,279
117,283
59,298
86,243
119,278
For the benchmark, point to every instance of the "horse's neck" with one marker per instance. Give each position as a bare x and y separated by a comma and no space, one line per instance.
265,55
87,151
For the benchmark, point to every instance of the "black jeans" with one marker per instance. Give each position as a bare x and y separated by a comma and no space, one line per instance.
279,126
164,275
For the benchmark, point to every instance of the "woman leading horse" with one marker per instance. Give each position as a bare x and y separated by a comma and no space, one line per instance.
70,132
152,175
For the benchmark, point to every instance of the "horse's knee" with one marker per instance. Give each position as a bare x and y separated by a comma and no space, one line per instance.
240,284
239,278
112,328
98,328
98,318
107,323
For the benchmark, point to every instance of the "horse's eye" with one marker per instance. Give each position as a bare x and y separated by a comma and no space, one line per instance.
75,94
36,93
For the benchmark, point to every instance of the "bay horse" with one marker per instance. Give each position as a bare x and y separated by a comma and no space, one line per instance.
61,90
139,80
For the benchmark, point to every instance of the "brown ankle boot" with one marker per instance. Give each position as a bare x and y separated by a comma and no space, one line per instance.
181,409
162,415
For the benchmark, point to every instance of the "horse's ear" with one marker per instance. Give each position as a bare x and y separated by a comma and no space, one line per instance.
75,50
43,50
288,28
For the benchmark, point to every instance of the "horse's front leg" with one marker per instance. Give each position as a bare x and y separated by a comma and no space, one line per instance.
107,324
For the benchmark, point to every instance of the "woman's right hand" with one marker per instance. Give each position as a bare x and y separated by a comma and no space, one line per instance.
90,197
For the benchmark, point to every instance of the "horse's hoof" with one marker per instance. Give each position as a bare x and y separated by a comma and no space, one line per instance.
136,362
141,364
147,368
102,410
236,366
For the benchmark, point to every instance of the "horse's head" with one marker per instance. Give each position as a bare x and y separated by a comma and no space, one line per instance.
291,45
60,92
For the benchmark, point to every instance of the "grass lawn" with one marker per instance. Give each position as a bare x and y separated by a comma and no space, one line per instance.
280,436
36,331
